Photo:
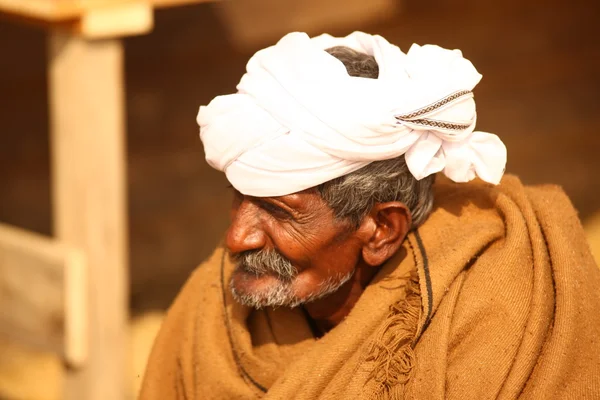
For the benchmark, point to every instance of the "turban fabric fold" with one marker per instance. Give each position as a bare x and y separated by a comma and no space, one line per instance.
299,120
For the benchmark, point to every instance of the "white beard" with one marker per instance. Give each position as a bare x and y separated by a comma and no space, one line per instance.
283,295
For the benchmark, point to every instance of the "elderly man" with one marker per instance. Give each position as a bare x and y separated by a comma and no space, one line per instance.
347,273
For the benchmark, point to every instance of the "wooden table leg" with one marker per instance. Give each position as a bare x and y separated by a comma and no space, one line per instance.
86,98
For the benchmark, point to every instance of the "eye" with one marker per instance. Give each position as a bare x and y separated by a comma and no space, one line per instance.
274,210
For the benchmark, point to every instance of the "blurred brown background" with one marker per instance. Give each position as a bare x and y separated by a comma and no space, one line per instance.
541,66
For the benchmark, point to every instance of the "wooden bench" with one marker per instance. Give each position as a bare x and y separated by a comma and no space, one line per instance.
43,294
69,293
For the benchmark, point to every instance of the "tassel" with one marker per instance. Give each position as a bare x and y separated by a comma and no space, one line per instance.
391,351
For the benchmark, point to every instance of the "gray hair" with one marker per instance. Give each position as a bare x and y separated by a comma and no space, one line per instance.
353,195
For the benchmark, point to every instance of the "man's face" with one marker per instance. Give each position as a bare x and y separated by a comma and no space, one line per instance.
288,250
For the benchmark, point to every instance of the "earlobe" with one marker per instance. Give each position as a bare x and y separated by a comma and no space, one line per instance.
391,222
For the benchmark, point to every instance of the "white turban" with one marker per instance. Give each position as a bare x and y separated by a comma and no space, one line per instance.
299,120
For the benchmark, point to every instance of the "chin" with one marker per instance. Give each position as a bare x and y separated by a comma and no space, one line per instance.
260,291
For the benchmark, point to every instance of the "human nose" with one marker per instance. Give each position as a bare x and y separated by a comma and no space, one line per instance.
245,232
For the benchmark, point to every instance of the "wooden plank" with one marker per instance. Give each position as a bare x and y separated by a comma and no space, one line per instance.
132,18
46,10
93,19
88,171
42,294
54,11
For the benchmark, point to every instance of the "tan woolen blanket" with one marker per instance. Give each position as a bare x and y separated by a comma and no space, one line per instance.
495,296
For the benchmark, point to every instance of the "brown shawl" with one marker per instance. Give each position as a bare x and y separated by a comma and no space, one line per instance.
495,296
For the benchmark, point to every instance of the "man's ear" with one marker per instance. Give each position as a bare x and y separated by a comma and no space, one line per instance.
388,224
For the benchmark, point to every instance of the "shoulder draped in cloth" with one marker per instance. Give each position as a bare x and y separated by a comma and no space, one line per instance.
495,296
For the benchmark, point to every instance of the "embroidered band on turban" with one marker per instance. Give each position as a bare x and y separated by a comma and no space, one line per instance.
299,120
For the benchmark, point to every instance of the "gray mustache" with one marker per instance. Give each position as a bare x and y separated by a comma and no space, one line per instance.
265,262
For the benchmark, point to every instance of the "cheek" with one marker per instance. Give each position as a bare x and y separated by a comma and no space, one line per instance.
298,247
315,245
339,259
330,263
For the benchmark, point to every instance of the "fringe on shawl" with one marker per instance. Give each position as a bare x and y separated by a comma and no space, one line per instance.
391,352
